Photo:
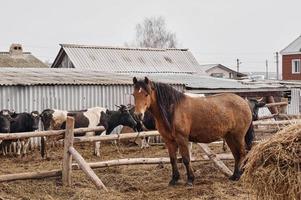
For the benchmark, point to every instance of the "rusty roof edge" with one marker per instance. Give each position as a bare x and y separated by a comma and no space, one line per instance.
121,48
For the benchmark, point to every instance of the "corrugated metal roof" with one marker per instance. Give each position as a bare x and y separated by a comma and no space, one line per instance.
118,59
197,81
61,76
293,48
46,76
53,76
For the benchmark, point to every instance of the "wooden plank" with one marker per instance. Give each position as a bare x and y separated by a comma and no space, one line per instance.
146,161
276,104
67,157
30,175
222,167
103,164
115,137
11,136
268,116
282,122
87,169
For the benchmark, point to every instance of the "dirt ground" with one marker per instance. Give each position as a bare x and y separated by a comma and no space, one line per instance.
123,182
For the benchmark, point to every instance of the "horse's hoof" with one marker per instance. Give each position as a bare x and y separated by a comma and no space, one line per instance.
172,183
189,185
234,178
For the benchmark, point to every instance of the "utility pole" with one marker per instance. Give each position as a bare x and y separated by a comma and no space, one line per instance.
266,70
237,64
277,65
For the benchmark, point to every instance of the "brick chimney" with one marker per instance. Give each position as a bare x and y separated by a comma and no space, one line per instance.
16,50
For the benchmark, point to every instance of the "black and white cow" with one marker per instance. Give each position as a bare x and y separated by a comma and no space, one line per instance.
92,117
56,120
24,122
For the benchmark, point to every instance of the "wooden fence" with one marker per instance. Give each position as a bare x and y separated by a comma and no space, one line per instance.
71,153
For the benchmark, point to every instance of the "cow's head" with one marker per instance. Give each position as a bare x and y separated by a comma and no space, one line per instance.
126,119
35,118
254,106
47,118
5,120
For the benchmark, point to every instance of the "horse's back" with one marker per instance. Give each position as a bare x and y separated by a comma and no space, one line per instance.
210,118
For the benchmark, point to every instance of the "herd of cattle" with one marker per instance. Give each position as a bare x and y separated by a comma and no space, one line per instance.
12,122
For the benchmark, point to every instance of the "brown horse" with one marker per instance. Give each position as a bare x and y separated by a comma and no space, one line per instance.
180,118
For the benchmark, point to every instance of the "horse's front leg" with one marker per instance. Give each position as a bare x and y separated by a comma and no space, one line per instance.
185,153
172,150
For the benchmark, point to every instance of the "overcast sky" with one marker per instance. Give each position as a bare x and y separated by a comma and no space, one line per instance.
216,31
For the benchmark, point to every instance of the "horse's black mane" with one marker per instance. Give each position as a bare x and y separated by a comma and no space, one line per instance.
167,98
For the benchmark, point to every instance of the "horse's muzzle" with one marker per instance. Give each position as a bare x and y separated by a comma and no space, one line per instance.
139,115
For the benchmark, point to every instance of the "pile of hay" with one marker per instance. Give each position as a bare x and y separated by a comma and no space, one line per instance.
273,167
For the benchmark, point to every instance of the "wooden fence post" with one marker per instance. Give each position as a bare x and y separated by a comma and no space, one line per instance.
87,169
212,156
67,159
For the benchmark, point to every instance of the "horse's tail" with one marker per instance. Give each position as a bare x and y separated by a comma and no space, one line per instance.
249,137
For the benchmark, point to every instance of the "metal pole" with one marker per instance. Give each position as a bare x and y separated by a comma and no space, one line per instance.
267,69
237,61
277,65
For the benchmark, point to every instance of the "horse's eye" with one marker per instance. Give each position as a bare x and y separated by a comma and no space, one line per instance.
146,95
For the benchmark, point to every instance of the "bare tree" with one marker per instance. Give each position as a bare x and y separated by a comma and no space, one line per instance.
152,33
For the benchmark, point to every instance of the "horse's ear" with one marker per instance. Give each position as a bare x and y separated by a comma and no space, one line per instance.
146,80
135,80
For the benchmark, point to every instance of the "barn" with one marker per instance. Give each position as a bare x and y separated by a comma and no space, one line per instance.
67,89
84,76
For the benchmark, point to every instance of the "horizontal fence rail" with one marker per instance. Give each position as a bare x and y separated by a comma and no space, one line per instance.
115,137
12,136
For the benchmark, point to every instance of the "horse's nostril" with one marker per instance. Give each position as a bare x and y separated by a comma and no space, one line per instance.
140,116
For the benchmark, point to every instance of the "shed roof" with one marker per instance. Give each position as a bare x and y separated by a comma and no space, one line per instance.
197,81
207,67
121,59
25,60
48,76
62,76
293,48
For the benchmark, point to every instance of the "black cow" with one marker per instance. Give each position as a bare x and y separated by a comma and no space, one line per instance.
146,124
112,119
5,120
254,106
24,122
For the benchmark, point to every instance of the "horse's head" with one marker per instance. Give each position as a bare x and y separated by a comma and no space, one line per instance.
142,95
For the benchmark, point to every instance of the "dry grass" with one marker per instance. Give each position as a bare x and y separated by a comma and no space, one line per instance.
273,166
124,182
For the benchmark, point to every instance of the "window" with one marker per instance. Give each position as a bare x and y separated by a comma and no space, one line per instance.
296,66
217,75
